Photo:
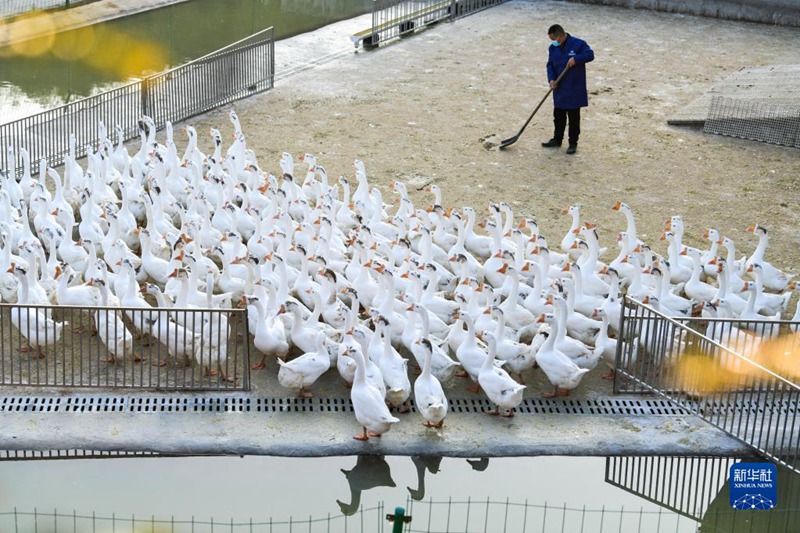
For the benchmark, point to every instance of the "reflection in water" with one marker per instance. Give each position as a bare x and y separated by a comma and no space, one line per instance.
479,465
547,494
422,463
697,487
370,471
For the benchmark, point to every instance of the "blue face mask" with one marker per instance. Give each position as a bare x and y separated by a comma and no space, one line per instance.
555,43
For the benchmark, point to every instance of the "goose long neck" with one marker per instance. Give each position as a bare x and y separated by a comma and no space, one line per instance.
763,240
602,335
560,317
631,231
426,364
426,323
490,354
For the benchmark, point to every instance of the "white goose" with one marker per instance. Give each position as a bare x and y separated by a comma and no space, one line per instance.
580,354
559,369
429,396
518,357
503,391
304,371
394,370
110,327
695,289
469,353
772,278
767,303
33,323
443,367
181,343
368,403
269,333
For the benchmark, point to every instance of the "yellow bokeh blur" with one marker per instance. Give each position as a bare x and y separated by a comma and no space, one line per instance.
782,356
704,374
74,45
100,46
141,57
111,47
33,34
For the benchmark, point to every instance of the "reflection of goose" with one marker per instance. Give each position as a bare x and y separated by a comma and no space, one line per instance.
424,462
369,472
479,465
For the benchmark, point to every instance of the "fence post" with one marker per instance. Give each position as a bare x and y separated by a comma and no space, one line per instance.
145,90
398,519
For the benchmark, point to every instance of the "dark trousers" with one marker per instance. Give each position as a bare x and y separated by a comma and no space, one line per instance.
560,122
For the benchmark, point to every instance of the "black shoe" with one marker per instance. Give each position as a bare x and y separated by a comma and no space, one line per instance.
572,149
552,143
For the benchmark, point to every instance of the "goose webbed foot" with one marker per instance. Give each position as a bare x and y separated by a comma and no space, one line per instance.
550,394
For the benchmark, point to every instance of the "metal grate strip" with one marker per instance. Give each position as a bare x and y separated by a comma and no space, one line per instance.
38,455
246,404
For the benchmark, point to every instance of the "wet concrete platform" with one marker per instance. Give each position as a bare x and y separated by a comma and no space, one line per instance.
251,424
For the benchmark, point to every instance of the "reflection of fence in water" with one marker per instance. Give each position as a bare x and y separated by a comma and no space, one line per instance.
427,516
690,362
154,348
685,485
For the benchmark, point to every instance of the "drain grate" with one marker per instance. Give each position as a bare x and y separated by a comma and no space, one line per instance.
250,404
37,455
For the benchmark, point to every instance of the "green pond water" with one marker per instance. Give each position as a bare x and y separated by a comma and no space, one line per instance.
355,493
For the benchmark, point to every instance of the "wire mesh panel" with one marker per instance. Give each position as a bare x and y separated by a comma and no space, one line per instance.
756,121
153,348
242,69
739,375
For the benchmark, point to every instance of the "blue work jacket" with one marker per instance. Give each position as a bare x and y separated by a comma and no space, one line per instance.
571,91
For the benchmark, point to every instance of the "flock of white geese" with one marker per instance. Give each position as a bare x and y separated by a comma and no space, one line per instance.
333,276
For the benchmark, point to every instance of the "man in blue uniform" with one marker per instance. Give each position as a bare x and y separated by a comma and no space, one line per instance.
569,96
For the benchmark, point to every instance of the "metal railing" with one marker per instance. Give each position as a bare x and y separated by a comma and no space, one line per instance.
426,516
738,375
392,19
116,347
241,69
697,487
755,121
13,8
684,485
